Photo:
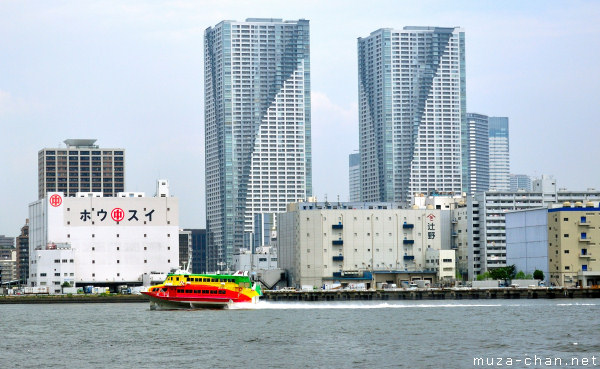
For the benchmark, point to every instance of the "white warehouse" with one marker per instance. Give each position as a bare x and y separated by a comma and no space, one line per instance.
324,244
102,241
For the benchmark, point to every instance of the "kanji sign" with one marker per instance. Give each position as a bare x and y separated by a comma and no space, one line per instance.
117,214
55,200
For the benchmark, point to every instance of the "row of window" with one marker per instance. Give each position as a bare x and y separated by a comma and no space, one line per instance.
206,292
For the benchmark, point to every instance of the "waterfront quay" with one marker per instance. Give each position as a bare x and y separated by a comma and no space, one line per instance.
430,294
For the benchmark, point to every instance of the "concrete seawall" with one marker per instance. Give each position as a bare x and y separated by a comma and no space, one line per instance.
430,294
65,299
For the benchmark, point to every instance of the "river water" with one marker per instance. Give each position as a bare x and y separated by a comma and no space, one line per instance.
403,334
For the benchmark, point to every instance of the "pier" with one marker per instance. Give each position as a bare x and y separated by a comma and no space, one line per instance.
430,294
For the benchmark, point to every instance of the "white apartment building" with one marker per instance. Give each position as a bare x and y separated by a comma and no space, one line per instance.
103,241
412,112
258,127
323,243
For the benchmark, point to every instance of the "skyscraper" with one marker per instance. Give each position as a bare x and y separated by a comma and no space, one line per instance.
412,112
354,176
257,127
478,178
81,167
499,154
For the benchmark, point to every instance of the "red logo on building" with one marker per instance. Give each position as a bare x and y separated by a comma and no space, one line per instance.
431,217
117,214
55,200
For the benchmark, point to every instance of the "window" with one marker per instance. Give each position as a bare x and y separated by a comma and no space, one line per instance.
42,274
567,267
566,235
566,251
93,261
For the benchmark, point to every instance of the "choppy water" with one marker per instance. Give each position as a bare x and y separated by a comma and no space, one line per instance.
404,334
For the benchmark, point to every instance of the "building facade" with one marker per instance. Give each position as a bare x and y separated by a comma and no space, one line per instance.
198,250
257,127
574,244
22,245
499,154
323,244
81,167
104,241
412,112
520,182
354,177
478,153
527,241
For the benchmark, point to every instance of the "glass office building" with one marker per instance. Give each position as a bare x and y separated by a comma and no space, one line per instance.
499,154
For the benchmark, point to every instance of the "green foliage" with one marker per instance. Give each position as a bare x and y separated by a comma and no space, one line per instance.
504,273
520,275
66,284
484,276
538,274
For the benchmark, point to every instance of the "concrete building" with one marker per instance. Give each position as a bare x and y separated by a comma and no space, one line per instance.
520,182
412,112
81,167
573,244
527,241
354,177
365,243
104,241
478,153
499,154
257,127
22,246
443,262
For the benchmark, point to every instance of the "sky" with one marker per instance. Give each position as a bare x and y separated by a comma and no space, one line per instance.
130,74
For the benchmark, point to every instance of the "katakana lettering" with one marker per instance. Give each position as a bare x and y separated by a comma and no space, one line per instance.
134,216
104,213
149,215
85,215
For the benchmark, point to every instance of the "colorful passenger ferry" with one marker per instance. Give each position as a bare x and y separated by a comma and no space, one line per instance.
191,291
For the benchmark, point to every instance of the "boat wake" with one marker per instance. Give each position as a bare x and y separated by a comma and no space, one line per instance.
271,305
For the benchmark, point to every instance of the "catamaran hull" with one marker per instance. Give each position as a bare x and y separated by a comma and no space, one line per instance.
162,303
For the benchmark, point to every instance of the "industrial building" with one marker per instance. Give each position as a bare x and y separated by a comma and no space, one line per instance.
102,241
324,244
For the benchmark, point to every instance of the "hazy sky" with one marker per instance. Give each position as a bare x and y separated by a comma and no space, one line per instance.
130,74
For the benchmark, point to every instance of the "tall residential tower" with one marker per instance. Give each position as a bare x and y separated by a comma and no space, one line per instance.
257,127
412,112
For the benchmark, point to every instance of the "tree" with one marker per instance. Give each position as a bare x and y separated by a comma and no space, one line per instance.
520,275
504,273
483,277
66,284
538,274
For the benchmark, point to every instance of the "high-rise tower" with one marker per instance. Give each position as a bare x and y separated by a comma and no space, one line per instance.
257,127
478,178
412,112
499,154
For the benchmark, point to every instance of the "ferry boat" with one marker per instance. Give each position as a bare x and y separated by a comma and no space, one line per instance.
191,291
